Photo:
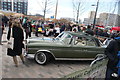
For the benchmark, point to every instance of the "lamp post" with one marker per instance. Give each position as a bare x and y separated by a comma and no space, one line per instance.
56,9
0,15
118,13
94,21
45,11
12,6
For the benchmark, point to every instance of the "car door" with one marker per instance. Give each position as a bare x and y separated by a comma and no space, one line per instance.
85,48
64,51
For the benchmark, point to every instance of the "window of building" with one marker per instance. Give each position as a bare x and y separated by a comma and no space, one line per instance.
9,4
5,9
5,5
15,0
25,0
19,0
25,4
9,0
9,9
15,4
15,9
19,3
5,0
19,11
19,6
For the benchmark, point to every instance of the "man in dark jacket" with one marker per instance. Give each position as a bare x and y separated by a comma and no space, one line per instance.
0,30
89,30
5,21
111,51
28,28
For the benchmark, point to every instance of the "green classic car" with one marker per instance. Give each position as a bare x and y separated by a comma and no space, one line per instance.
66,46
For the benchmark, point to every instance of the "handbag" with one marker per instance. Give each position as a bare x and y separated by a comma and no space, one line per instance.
10,52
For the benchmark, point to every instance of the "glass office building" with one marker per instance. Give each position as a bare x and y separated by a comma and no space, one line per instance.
19,6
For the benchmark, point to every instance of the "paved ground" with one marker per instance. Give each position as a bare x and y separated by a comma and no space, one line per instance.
55,69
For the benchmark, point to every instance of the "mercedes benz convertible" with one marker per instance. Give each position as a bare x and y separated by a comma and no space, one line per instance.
66,46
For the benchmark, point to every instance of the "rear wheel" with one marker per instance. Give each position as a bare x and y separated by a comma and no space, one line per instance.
41,58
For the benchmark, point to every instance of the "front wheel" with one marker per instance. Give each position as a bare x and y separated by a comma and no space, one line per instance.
41,58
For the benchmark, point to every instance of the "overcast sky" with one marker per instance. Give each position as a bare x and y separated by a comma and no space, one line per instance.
65,7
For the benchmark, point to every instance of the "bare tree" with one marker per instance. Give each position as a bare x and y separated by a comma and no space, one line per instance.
77,8
46,6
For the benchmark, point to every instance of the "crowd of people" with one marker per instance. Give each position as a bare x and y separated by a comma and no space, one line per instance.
53,29
19,26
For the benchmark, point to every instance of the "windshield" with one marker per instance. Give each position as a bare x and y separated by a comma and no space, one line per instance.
66,38
60,36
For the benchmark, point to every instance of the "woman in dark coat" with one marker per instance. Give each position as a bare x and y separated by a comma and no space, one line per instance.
18,36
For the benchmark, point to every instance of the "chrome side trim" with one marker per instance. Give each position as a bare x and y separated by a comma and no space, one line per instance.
66,50
74,59
46,51
33,48
32,56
